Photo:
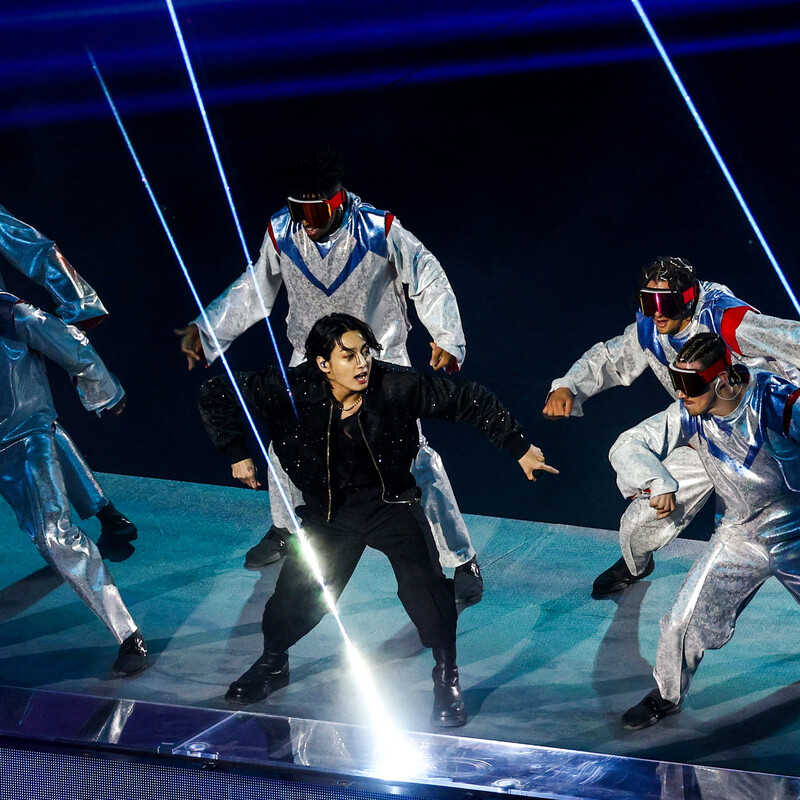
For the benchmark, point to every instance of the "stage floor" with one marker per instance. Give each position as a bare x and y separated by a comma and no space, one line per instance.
541,662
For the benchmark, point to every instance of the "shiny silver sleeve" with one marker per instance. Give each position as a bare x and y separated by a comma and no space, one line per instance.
769,337
617,362
638,452
240,305
429,288
97,388
38,257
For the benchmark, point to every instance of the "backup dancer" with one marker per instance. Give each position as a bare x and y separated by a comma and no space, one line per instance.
745,428
39,259
350,452
335,253
674,307
31,476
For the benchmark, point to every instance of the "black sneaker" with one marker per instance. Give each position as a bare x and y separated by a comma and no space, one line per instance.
132,657
652,709
618,577
269,550
115,525
468,584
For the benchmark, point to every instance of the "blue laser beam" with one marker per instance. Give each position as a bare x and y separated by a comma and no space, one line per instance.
717,155
189,280
391,741
226,186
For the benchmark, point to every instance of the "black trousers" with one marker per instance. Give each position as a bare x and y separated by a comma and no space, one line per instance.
364,520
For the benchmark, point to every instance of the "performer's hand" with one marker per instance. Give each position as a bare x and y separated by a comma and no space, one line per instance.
533,462
245,471
664,504
117,408
191,346
439,358
559,403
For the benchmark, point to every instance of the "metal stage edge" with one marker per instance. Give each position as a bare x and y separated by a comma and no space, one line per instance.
61,745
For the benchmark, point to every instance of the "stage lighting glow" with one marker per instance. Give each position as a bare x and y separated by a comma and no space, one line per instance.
226,186
717,155
389,740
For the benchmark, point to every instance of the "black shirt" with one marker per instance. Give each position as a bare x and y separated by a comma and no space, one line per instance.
353,468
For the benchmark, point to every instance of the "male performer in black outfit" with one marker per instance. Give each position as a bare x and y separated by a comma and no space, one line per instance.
350,452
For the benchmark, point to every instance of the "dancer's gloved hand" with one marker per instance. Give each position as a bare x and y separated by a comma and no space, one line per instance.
439,358
664,504
191,346
533,462
559,403
245,471
116,409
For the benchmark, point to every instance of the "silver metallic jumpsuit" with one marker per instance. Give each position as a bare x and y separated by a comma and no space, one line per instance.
752,457
359,269
38,258
756,340
31,477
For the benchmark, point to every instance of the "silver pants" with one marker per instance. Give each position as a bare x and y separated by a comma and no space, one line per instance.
450,532
32,482
83,490
641,533
718,587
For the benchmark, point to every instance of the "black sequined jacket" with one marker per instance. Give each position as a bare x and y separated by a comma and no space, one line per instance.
394,400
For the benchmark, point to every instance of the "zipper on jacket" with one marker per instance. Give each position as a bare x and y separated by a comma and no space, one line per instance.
328,465
375,464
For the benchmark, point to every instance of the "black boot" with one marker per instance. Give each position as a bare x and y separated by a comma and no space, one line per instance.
269,673
468,584
448,704
132,657
115,523
618,577
116,534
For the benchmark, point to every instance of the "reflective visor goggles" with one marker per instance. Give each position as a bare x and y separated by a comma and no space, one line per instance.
673,305
692,383
316,212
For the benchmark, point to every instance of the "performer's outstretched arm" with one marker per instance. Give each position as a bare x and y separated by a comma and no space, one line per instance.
236,309
438,397
44,333
433,296
757,335
617,362
38,257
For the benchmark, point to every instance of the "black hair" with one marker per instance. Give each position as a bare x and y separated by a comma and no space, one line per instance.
328,331
317,173
707,349
676,271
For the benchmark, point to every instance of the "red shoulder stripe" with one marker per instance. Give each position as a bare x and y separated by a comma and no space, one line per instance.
388,220
787,410
272,236
731,318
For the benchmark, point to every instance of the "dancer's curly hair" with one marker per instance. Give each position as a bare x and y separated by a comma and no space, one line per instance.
317,173
676,271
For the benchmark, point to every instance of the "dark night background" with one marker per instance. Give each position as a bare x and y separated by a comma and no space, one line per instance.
539,149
